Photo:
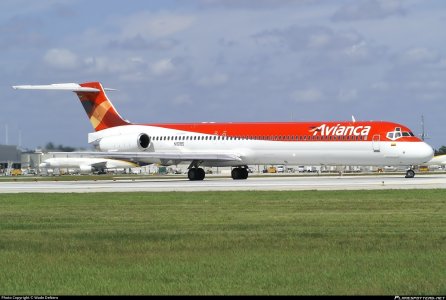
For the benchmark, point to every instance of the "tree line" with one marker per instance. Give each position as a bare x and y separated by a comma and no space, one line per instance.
440,151
50,147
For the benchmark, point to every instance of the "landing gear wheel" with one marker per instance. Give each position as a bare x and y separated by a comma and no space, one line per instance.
201,174
410,173
239,173
244,173
196,174
192,174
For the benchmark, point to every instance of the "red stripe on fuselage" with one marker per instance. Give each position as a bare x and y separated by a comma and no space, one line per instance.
313,131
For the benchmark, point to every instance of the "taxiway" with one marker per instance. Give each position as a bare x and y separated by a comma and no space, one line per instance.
431,181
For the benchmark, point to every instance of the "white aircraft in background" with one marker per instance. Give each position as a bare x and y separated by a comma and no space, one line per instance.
86,164
439,160
238,145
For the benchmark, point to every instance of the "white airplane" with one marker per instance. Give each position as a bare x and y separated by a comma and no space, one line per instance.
86,164
241,144
439,160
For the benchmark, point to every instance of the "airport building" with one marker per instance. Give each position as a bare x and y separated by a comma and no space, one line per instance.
10,158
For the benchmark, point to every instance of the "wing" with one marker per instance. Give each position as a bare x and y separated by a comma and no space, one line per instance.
164,158
100,165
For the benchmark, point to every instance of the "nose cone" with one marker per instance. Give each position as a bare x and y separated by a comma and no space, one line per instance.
417,153
423,153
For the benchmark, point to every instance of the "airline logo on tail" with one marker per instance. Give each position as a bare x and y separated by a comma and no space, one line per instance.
99,109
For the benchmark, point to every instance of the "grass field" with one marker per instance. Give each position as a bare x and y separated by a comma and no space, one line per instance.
314,242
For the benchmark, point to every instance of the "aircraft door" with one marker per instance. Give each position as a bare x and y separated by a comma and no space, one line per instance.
376,143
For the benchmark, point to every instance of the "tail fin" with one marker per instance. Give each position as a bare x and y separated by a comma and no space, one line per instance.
100,110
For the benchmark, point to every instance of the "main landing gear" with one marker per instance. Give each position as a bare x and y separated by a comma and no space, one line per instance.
196,173
239,173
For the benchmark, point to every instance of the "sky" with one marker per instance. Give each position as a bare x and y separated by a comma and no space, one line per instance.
222,61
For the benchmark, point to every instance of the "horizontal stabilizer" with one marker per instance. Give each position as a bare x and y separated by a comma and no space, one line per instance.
74,87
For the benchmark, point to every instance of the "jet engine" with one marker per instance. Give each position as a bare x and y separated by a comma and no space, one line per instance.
125,143
86,169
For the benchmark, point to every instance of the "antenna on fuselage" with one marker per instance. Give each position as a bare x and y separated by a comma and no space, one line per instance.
353,119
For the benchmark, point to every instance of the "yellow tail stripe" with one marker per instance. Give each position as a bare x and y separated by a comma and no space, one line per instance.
99,113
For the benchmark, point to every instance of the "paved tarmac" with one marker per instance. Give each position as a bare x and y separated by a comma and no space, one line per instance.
274,183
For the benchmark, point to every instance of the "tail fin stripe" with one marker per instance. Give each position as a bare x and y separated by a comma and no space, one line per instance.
99,109
99,113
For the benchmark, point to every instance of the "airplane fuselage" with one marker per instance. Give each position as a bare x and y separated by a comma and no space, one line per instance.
241,144
335,143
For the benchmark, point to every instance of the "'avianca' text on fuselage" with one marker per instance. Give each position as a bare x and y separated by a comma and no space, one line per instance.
241,144
340,130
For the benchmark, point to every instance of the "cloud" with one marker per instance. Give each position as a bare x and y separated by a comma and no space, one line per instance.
139,43
380,86
19,32
321,45
150,25
419,55
251,4
183,99
236,52
144,31
347,95
308,38
307,96
213,80
62,59
105,64
368,10
162,67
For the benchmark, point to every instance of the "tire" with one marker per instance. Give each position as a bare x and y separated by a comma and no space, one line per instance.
410,173
196,174
239,173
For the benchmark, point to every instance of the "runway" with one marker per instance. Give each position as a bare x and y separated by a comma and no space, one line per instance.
274,183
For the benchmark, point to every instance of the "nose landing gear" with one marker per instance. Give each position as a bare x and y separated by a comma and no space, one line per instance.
410,173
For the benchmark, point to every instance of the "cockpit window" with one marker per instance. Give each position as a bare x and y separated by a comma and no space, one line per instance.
397,133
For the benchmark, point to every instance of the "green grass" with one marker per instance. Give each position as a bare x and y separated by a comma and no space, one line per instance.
313,242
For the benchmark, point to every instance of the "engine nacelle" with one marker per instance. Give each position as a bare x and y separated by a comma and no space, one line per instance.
86,169
125,142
